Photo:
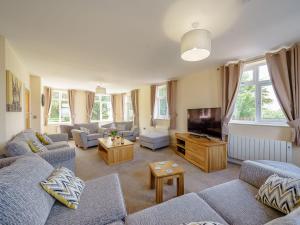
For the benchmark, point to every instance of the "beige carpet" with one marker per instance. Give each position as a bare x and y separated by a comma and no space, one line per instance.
134,175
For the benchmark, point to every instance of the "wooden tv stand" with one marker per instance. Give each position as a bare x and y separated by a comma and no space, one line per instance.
208,155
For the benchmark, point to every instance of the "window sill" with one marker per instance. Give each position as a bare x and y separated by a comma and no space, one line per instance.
271,124
57,124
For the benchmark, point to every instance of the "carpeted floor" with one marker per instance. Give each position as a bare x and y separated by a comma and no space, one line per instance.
134,175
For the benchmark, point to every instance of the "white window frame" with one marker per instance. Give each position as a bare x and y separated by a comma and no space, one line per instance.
110,119
126,99
61,92
258,87
157,105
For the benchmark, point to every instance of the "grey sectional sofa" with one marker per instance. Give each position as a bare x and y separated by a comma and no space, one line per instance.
125,129
58,154
23,201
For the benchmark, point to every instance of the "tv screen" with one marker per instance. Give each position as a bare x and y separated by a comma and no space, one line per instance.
205,121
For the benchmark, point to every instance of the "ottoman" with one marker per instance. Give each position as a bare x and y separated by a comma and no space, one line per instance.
155,140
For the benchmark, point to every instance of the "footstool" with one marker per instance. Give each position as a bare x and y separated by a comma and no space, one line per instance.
155,140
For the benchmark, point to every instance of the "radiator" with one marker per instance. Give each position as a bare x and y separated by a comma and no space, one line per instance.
251,148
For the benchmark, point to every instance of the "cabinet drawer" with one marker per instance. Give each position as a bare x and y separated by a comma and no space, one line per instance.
201,161
199,149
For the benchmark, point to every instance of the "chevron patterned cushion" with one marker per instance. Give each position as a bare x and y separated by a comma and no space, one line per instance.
64,186
202,223
280,193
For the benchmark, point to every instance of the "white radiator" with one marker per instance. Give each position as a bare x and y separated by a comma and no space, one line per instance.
251,148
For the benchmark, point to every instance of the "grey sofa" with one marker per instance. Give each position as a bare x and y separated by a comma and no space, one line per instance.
23,201
125,129
231,203
84,140
58,154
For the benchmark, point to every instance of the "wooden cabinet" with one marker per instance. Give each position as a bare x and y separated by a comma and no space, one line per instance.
209,155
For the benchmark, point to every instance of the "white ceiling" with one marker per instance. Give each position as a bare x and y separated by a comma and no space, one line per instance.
123,44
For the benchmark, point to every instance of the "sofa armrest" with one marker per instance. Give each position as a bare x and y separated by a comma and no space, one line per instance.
58,157
257,172
7,161
58,137
136,131
80,138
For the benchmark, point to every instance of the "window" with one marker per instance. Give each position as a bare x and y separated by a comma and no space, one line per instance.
128,111
59,109
161,103
102,110
256,100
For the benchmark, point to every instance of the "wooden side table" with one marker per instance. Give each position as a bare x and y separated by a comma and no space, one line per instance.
159,171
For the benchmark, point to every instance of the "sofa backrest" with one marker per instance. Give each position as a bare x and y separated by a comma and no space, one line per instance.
121,126
257,172
93,127
22,199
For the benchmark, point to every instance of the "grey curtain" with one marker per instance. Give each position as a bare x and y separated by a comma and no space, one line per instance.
172,87
90,99
284,69
135,106
71,96
152,102
47,103
230,85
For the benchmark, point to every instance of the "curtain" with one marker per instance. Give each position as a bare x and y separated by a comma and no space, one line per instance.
230,85
171,87
117,106
47,103
90,99
284,69
71,96
152,102
135,106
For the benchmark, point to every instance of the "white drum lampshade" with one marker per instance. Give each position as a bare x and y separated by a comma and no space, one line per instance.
100,90
195,45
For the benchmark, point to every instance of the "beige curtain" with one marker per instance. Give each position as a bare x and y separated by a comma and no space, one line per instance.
90,99
152,102
47,103
135,106
71,96
172,87
284,69
117,107
230,85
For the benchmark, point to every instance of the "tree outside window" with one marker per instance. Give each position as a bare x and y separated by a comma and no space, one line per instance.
102,110
161,103
59,109
128,111
256,100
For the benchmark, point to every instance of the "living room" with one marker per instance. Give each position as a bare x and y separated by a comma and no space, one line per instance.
150,112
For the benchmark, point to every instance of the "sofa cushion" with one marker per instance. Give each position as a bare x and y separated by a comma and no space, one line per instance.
184,209
56,145
22,199
235,202
101,203
291,219
17,147
280,193
151,137
91,137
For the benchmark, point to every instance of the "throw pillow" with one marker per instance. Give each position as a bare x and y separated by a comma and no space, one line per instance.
85,130
64,186
280,193
36,146
202,223
44,138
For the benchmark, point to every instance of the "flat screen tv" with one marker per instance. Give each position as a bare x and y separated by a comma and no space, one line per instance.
205,121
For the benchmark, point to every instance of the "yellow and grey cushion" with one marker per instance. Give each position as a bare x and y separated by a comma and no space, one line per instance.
44,138
65,187
202,223
280,193
36,146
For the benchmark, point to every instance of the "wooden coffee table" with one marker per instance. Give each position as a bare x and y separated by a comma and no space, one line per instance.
113,152
168,170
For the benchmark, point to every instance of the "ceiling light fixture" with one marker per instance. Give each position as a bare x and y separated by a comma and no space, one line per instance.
100,90
195,44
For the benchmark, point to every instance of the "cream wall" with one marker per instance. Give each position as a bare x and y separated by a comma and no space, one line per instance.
11,122
35,103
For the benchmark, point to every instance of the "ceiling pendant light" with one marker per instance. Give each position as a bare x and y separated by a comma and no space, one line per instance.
100,90
195,44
